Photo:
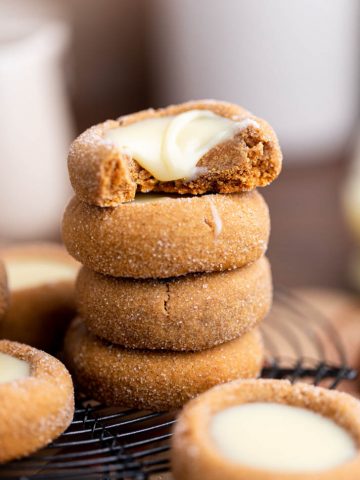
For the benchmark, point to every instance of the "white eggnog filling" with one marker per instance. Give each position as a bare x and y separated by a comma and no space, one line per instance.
11,368
272,436
170,147
24,273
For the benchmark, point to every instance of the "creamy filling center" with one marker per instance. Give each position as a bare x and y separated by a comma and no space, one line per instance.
169,147
272,436
12,368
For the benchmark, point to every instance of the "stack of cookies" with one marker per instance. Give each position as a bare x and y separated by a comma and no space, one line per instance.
172,235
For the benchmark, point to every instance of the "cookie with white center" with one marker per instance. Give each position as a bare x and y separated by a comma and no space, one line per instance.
41,278
37,399
192,148
268,430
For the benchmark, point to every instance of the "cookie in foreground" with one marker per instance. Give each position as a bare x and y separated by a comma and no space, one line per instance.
192,148
37,399
268,430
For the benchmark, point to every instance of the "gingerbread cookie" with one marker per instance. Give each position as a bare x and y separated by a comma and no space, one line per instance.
161,236
154,380
192,148
268,430
36,399
4,293
193,312
41,281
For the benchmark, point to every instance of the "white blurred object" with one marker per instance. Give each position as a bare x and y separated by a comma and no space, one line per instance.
295,63
351,196
351,204
35,122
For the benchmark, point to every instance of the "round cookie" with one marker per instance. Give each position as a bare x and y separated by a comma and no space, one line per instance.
195,455
103,174
36,407
4,293
41,280
153,380
193,312
162,236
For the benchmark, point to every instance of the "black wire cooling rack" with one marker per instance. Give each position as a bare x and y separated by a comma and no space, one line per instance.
106,443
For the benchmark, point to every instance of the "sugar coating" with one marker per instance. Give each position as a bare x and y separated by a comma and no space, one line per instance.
173,237
156,380
195,455
37,409
104,175
192,312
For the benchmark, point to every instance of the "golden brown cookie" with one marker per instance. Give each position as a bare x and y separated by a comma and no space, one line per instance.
41,281
36,406
167,237
103,174
193,312
154,380
195,455
4,293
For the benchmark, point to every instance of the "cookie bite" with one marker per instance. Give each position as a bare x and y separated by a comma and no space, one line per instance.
193,312
37,400
268,430
197,147
156,380
4,292
163,236
41,280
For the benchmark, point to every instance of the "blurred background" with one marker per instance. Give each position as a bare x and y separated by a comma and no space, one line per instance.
65,65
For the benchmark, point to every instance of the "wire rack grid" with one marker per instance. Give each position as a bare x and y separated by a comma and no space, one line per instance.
106,443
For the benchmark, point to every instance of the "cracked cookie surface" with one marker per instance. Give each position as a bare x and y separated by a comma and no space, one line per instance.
192,312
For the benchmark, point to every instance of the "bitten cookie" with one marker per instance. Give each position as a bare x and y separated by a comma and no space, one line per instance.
37,400
4,293
193,312
41,281
153,380
161,237
202,446
243,155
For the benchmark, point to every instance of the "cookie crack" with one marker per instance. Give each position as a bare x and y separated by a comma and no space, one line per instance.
167,299
208,223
